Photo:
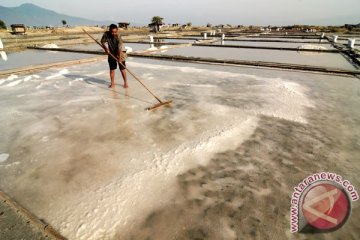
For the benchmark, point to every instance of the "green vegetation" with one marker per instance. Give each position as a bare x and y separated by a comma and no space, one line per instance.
2,24
63,22
157,20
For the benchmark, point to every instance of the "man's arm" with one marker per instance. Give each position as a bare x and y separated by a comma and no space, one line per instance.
105,44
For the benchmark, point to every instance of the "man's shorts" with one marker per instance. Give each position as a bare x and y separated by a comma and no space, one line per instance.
113,64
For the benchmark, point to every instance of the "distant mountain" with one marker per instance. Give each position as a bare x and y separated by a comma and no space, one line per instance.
32,15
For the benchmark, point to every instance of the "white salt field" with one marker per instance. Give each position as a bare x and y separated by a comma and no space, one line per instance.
221,163
309,58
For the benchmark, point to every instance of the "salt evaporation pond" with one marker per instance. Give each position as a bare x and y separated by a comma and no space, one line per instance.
178,40
220,164
284,39
35,57
274,44
134,46
334,60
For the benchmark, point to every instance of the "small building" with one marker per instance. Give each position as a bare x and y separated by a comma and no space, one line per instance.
18,29
124,25
352,26
275,29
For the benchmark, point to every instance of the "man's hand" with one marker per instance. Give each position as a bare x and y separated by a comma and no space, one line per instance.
122,57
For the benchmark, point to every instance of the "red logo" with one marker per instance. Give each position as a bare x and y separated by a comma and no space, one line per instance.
326,207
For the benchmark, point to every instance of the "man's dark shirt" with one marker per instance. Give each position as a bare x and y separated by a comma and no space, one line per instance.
114,44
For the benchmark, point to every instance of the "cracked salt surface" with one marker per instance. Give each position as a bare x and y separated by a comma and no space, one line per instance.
98,173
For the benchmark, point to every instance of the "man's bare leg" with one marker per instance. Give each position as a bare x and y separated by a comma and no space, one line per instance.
112,78
123,73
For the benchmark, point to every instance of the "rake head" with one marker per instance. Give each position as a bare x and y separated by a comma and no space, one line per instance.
156,106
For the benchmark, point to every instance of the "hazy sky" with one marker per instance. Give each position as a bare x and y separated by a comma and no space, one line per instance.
244,12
